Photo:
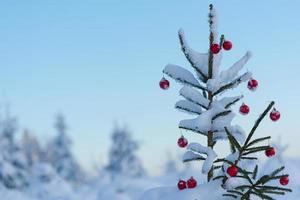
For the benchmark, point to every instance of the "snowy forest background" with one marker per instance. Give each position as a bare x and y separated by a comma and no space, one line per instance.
97,61
30,170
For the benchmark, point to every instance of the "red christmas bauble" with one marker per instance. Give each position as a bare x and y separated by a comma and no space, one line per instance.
181,184
232,171
215,48
284,180
244,109
275,115
252,84
191,183
227,45
182,142
164,84
270,152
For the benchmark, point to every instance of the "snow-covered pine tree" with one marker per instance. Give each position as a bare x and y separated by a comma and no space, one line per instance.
203,97
13,165
31,148
60,156
123,161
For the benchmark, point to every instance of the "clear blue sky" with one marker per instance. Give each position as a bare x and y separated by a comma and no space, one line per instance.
100,61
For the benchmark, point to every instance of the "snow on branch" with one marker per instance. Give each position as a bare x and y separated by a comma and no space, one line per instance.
199,61
229,75
213,22
187,106
245,77
191,156
208,151
182,75
195,125
237,132
194,96
227,102
209,120
224,120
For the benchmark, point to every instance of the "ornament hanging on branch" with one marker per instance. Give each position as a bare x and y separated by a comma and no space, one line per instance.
164,84
244,109
191,183
284,180
252,84
227,45
181,185
232,171
274,115
182,142
270,152
215,48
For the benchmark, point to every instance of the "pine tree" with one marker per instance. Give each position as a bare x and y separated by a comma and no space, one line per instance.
31,148
203,98
59,153
13,165
123,161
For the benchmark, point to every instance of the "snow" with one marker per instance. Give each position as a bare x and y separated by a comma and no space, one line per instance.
194,96
236,130
200,60
229,74
213,21
103,188
190,155
225,101
206,122
211,155
210,191
187,106
180,74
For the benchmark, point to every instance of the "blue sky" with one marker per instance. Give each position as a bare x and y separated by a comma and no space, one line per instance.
100,61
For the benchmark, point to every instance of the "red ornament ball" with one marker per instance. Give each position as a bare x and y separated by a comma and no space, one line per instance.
164,84
252,84
284,180
191,183
227,45
215,48
181,185
182,142
232,171
270,152
244,109
275,115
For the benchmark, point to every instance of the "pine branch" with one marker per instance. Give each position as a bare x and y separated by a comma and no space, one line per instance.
258,121
188,83
232,84
255,172
185,109
258,140
233,102
259,188
255,149
221,114
193,130
233,141
193,159
183,76
184,50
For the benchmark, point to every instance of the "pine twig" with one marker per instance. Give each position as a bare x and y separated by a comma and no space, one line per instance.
258,121
184,50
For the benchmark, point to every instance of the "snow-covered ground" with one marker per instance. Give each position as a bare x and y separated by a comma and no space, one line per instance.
158,188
